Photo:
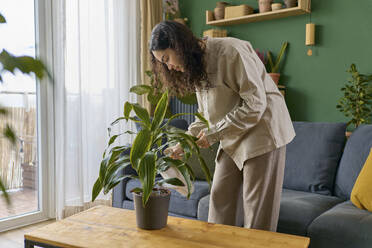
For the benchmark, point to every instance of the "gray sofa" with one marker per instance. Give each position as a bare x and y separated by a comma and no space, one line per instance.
319,176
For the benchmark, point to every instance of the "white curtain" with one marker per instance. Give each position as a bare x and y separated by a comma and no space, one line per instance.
99,67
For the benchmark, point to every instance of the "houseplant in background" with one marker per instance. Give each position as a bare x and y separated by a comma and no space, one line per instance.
11,63
273,68
356,103
146,157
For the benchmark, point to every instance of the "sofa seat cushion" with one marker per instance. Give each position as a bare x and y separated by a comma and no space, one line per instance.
342,226
178,203
312,157
298,209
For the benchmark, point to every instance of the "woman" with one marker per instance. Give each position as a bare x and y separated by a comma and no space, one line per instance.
247,113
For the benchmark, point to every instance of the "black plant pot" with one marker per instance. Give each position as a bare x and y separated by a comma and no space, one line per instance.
155,213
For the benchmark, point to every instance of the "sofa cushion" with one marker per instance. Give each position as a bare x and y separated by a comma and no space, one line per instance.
355,154
178,204
298,209
313,156
342,226
361,195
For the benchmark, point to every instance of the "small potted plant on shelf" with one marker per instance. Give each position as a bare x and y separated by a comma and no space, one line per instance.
273,68
147,158
356,103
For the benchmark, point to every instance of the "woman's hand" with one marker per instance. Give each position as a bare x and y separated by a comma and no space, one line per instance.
174,152
202,141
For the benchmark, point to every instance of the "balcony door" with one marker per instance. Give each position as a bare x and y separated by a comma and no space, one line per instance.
23,169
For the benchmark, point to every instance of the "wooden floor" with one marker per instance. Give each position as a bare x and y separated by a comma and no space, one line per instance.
23,201
14,238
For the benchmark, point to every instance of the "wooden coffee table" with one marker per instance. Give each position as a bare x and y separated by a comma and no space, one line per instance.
102,227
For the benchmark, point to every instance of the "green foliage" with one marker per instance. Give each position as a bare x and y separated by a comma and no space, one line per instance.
274,67
11,63
356,102
146,153
155,91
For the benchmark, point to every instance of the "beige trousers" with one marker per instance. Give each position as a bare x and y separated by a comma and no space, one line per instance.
261,180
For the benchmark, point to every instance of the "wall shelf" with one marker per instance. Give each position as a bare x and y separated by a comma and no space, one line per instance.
304,7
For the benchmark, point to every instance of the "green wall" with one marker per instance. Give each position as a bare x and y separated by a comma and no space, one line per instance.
344,36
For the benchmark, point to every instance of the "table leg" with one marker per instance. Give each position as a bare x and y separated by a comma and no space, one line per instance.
28,244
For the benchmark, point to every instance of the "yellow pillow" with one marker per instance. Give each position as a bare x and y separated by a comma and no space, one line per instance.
361,195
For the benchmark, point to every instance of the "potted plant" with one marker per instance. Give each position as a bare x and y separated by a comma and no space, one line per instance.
273,68
356,103
148,159
154,92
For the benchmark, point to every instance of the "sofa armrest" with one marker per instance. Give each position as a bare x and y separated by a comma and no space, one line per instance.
118,192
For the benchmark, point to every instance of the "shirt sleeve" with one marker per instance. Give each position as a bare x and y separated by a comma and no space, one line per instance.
195,127
244,74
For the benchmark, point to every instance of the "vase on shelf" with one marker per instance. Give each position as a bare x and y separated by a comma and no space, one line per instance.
219,11
290,3
276,6
264,5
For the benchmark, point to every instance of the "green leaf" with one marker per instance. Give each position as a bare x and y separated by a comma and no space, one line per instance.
25,64
140,89
140,146
3,111
147,173
2,19
115,182
5,194
206,171
117,120
10,134
142,114
160,111
127,109
96,189
114,169
102,169
185,173
173,181
202,119
113,138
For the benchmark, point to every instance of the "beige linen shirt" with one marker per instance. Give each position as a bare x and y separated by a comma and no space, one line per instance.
246,111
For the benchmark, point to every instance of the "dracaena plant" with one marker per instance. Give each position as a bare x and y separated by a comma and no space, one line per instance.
146,153
356,103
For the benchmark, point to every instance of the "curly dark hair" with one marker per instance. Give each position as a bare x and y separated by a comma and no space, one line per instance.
174,35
